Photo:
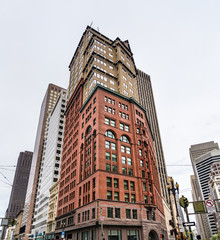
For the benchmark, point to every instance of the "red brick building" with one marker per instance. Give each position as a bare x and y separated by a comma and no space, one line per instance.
109,185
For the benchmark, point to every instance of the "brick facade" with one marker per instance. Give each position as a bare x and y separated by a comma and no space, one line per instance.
109,174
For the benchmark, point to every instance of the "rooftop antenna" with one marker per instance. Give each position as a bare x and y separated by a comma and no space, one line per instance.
91,24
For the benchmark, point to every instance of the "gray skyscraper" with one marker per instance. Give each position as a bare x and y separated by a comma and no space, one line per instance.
202,156
19,187
146,99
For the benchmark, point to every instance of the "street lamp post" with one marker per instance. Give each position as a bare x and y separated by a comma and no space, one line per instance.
173,189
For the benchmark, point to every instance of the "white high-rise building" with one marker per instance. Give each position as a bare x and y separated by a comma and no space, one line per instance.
202,171
50,165
214,188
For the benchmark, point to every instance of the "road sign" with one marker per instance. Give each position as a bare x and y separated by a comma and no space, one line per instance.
63,234
102,218
210,206
188,224
181,228
209,203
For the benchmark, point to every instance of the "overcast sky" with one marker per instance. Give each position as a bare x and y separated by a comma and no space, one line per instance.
176,42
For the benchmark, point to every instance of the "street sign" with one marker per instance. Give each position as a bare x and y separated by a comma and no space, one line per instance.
210,206
63,234
188,224
209,203
181,228
102,218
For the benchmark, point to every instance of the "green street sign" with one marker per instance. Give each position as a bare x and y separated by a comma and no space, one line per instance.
199,207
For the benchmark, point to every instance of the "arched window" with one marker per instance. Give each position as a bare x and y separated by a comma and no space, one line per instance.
88,130
110,134
125,139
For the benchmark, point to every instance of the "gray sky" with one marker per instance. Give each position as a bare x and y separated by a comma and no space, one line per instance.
176,42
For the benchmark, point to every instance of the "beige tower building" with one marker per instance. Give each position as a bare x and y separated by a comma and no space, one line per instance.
146,97
48,103
100,60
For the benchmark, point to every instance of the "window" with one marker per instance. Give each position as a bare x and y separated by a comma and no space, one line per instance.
107,156
107,144
110,212
85,235
124,171
114,157
133,198
108,167
143,174
109,195
123,159
141,163
130,172
124,127
116,196
109,182
132,186
114,234
148,215
123,149
107,121
140,152
134,213
114,168
133,234
138,130
113,146
128,150
110,122
145,199
124,139
128,213
139,142
126,197
109,134
129,161
115,183
125,184
150,188
117,212
144,187
93,213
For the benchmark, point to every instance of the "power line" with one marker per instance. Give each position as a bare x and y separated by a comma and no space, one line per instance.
5,177
6,183
179,165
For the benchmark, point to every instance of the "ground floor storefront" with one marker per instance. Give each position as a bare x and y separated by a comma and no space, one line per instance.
113,233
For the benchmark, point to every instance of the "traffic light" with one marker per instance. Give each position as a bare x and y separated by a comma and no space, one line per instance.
184,202
162,236
13,222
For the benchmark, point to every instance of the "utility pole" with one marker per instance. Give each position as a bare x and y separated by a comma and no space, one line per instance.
173,189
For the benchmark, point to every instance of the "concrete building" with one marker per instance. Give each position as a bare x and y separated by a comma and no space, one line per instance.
201,166
50,164
196,151
48,103
18,225
214,189
52,211
146,98
19,187
200,218
100,60
109,184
